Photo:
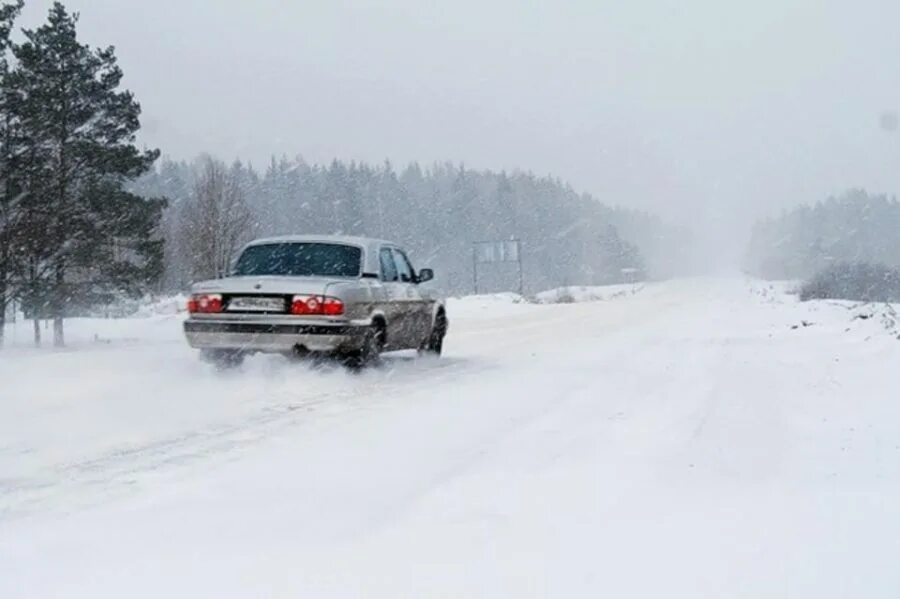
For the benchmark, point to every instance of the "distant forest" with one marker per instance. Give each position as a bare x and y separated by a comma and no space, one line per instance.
436,211
854,228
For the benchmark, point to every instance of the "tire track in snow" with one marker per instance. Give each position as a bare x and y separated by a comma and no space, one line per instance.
487,344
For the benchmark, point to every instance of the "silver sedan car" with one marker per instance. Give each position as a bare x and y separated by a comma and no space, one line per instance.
347,296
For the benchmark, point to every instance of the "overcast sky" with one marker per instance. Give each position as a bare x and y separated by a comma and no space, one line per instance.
706,110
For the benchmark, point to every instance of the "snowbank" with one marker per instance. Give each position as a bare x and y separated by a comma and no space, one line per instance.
576,294
169,305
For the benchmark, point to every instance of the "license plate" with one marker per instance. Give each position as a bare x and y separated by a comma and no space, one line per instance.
256,304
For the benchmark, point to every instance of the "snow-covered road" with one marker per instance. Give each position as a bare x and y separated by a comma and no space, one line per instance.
685,441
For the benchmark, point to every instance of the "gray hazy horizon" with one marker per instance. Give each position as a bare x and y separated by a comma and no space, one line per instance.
708,113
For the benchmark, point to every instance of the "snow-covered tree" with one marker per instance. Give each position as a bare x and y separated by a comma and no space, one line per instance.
856,227
436,212
215,220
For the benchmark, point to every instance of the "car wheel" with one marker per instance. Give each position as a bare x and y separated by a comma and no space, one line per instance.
223,359
370,353
434,345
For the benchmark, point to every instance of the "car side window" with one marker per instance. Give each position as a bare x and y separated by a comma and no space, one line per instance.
388,268
404,267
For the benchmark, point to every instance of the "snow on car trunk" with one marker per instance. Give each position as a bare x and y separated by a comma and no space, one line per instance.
257,285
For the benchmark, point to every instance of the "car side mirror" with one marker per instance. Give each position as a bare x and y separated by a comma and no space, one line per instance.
426,274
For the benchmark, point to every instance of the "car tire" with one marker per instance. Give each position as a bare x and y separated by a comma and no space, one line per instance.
223,359
370,352
434,344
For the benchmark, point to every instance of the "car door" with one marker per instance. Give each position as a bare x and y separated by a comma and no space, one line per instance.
417,319
394,296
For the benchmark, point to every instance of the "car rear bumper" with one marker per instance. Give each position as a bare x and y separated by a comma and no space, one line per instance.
273,337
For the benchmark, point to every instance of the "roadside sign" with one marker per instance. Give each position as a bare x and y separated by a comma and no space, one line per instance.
491,252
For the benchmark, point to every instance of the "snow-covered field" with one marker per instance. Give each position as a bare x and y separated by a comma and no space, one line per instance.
698,438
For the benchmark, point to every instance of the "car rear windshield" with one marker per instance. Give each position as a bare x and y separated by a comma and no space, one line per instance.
300,260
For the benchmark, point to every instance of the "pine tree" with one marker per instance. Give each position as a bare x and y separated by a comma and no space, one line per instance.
77,130
9,191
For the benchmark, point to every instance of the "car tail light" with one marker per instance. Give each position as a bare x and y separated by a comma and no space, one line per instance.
205,303
306,305
331,306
